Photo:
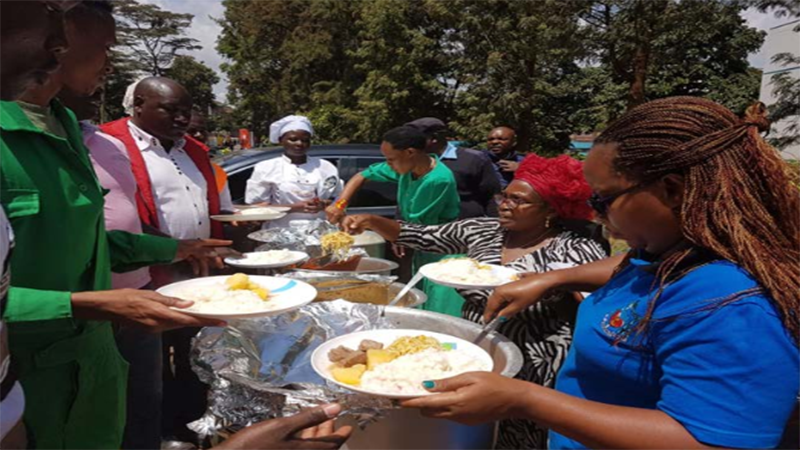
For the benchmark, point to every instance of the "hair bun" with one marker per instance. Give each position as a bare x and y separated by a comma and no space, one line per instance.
756,115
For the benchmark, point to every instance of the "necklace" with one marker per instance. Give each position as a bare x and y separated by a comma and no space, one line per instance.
531,242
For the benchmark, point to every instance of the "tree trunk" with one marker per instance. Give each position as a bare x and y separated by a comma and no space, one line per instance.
636,94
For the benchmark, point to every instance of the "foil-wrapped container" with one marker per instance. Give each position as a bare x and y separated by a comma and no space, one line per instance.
261,368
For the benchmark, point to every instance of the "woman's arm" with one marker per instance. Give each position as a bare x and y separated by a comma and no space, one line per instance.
484,397
448,239
336,211
512,298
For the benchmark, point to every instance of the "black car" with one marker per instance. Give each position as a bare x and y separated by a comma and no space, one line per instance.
373,198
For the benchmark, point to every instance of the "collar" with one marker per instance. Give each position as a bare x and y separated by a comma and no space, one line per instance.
450,152
13,118
513,156
146,141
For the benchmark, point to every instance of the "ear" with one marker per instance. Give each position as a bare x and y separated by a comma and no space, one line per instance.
673,185
138,101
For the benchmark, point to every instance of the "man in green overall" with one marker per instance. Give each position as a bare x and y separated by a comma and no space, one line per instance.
59,304
426,194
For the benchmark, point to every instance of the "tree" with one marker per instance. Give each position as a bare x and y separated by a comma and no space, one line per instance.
197,78
785,112
291,57
661,48
515,62
154,35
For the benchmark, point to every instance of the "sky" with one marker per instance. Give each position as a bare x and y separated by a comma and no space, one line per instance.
205,30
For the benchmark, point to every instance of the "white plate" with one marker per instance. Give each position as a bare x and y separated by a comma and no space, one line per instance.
504,274
248,263
248,217
285,295
322,365
272,207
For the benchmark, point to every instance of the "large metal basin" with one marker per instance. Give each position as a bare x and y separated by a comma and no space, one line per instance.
407,429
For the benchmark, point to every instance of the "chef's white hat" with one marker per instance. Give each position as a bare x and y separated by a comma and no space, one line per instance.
287,124
127,101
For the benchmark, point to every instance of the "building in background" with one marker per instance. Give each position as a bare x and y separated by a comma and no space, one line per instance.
781,39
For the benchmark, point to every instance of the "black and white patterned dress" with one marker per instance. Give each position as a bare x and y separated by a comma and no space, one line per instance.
544,331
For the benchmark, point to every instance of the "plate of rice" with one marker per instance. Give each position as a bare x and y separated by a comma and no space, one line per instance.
269,259
394,363
240,296
467,273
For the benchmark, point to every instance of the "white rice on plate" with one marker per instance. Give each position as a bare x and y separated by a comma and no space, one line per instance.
464,270
405,374
218,298
267,257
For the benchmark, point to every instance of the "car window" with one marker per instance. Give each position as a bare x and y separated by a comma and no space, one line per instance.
237,183
373,193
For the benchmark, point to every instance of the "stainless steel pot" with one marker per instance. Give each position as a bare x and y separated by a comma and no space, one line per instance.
407,429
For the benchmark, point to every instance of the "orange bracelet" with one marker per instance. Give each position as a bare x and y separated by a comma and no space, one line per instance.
341,204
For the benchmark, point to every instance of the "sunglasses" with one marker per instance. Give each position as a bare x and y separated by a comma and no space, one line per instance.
601,204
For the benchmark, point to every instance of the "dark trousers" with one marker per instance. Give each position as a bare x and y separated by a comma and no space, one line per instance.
142,350
184,394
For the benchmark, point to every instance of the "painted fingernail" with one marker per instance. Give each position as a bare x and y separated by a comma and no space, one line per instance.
503,319
428,384
332,410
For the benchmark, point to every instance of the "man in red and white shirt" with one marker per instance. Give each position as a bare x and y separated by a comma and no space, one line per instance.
177,193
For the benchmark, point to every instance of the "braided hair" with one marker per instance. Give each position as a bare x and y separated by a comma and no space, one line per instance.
739,199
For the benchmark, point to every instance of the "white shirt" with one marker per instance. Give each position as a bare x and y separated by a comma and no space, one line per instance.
279,182
179,188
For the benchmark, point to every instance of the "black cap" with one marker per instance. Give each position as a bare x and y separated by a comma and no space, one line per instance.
427,125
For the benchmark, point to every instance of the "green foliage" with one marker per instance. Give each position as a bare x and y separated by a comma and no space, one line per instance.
197,78
548,68
662,48
154,35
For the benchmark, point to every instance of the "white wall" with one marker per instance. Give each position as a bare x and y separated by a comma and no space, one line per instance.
781,39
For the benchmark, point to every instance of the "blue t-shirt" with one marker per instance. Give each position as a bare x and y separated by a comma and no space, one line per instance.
728,374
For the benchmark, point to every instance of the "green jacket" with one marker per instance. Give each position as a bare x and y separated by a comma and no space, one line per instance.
55,205
429,200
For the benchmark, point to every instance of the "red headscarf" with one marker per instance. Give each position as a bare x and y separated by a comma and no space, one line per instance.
559,182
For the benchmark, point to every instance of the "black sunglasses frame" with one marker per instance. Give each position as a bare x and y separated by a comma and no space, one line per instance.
601,204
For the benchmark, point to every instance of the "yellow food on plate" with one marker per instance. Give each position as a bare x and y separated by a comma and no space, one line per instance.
378,356
337,243
238,281
241,282
407,344
349,375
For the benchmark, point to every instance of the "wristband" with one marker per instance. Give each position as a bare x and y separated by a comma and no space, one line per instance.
341,204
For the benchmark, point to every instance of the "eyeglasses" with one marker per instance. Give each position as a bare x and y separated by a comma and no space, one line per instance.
601,204
513,202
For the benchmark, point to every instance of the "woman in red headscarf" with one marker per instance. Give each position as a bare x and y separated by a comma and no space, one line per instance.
535,232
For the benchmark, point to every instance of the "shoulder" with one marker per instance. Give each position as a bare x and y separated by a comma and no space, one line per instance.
97,140
717,283
267,166
442,175
473,154
570,240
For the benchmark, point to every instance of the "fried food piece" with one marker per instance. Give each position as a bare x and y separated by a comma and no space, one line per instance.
367,344
349,375
238,281
354,358
377,356
339,353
